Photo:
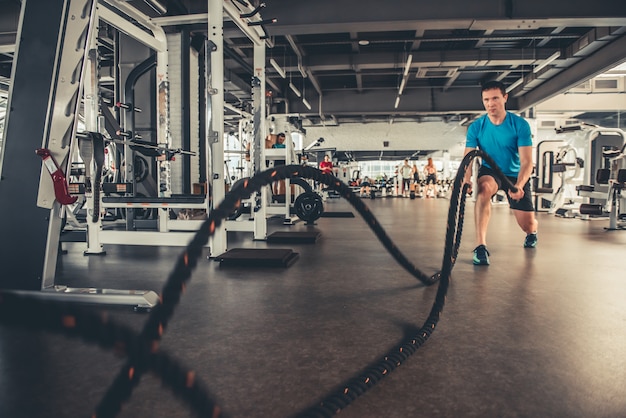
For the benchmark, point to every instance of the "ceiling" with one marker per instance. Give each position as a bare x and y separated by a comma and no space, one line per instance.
353,53
349,58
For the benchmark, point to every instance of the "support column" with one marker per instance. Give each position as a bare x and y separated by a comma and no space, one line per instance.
259,117
215,116
93,172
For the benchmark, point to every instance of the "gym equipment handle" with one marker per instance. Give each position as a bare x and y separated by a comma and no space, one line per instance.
61,190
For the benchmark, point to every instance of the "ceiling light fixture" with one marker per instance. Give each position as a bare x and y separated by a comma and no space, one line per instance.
395,106
157,7
301,68
407,66
407,69
277,68
295,90
402,84
515,84
546,62
304,101
364,42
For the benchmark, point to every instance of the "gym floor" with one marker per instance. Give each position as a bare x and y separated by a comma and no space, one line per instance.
539,333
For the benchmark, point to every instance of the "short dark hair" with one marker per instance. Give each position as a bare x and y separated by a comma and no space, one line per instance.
281,134
494,85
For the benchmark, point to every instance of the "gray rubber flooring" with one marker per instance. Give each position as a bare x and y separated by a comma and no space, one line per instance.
538,333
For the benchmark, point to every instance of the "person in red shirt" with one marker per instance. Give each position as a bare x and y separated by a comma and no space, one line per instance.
326,166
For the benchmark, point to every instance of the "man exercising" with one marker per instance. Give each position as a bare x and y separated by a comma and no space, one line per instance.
506,138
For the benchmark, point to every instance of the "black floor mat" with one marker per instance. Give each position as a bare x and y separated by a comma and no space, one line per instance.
297,237
337,215
258,257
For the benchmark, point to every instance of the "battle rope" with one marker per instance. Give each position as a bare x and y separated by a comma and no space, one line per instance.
142,351
72,321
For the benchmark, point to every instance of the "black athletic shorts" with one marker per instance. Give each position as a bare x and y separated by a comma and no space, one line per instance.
524,204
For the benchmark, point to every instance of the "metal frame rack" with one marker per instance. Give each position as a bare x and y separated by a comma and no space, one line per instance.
48,120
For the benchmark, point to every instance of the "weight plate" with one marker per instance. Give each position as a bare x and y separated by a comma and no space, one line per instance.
309,206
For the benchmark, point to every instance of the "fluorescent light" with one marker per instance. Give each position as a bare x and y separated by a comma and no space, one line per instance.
547,62
157,7
395,106
295,89
515,84
402,84
407,66
302,70
306,103
277,68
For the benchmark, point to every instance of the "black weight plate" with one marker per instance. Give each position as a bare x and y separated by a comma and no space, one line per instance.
309,206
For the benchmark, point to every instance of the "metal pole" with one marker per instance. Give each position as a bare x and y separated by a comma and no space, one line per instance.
215,119
259,116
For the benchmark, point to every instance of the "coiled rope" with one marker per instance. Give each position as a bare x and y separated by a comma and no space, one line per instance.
142,351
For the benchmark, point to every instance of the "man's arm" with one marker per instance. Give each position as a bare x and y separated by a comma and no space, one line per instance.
467,179
526,165
525,171
468,173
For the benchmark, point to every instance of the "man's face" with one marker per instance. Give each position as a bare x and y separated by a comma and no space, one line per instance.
494,101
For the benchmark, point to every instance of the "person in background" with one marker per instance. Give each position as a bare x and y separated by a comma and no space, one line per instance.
507,139
416,179
280,141
279,186
405,173
431,179
326,166
365,187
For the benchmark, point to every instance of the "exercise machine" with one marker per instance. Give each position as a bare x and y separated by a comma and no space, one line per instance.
544,179
615,178
603,192
568,165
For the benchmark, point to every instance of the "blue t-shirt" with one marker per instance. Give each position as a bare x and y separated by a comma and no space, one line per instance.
501,142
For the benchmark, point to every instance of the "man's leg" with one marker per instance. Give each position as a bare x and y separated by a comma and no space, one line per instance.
525,217
526,221
487,187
